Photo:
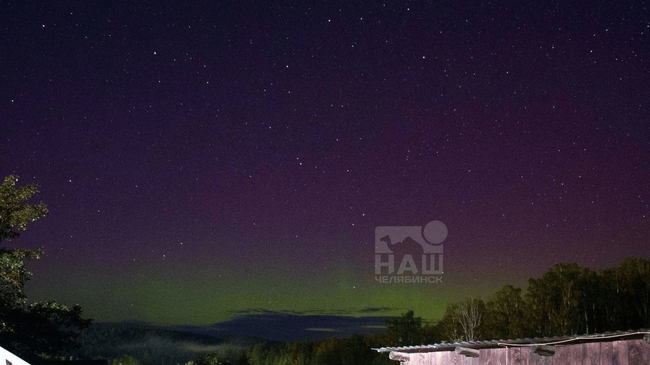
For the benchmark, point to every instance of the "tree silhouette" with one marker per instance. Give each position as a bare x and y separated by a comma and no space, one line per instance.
38,330
405,330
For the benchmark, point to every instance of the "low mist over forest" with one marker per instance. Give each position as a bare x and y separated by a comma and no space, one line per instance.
566,300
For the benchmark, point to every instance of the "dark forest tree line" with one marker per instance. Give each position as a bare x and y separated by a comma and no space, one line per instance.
348,351
566,300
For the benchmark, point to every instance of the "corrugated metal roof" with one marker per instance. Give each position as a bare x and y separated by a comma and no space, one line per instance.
450,346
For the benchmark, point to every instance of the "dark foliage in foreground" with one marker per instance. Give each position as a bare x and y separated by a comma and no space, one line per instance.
33,331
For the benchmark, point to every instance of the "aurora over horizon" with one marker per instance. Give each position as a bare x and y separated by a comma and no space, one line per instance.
218,159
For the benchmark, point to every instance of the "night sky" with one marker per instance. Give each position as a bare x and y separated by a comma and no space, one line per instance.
206,160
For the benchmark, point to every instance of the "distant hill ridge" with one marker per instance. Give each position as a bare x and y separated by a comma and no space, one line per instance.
155,344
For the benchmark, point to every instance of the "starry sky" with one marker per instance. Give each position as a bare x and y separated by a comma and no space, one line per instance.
208,160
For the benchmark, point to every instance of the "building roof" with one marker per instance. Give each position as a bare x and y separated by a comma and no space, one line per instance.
558,340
